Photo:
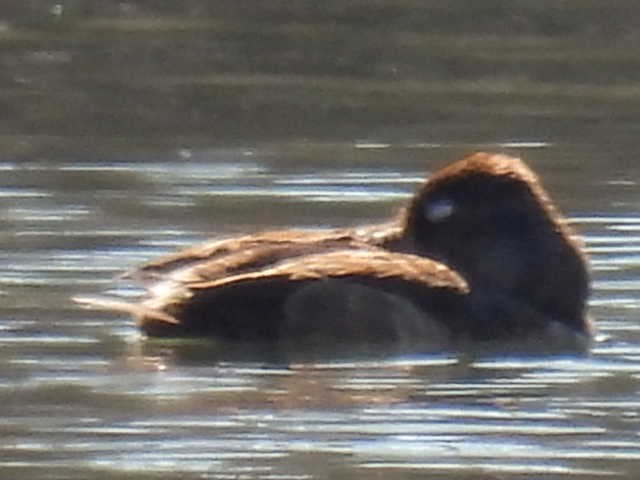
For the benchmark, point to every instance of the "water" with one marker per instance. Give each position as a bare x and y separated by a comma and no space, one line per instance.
166,156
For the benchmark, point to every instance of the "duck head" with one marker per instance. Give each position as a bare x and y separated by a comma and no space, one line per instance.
487,217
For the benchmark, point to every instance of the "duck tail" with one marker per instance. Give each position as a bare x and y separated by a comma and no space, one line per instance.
137,310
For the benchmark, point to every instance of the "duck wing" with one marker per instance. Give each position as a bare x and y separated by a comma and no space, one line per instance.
365,293
250,252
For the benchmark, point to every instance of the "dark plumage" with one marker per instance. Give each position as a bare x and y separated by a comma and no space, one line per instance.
480,253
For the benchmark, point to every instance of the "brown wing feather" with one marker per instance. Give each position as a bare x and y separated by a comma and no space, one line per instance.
368,263
252,304
230,256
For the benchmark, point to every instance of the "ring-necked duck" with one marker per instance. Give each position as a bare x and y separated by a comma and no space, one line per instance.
479,254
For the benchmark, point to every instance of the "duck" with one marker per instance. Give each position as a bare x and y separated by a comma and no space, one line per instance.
479,254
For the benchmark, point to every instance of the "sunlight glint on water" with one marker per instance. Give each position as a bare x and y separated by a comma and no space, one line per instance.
509,416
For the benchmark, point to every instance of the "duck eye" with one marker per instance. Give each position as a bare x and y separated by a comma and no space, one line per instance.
439,210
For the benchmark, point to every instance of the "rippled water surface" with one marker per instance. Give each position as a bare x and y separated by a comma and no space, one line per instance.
82,395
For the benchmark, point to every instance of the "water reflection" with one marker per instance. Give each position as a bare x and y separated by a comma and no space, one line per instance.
82,392
133,128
